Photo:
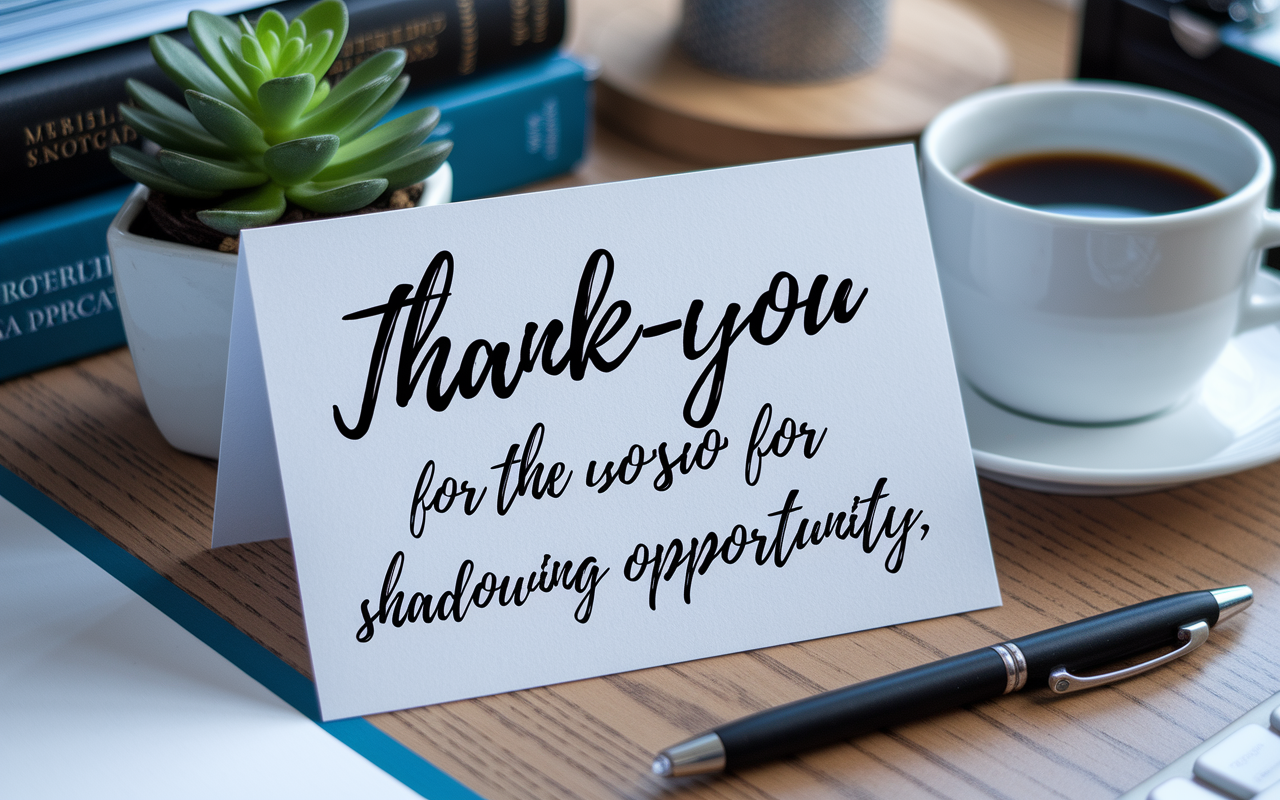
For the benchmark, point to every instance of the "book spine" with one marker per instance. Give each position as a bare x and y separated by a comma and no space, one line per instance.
59,120
57,294
515,127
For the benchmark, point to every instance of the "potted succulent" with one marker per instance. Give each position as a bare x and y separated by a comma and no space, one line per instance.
263,138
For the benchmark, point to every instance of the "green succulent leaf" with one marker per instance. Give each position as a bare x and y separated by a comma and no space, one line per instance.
213,174
335,115
317,47
321,92
328,17
174,134
375,112
290,53
330,199
229,125
382,145
252,210
379,68
298,161
251,50
251,75
158,103
416,165
262,117
186,69
358,82
304,57
283,100
354,94
271,47
147,170
207,31
272,21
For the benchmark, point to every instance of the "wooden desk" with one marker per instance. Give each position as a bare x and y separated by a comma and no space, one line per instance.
81,434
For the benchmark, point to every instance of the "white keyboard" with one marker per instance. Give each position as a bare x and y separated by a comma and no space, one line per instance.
1240,761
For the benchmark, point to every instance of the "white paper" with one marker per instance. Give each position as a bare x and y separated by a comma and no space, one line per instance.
252,500
873,382
106,697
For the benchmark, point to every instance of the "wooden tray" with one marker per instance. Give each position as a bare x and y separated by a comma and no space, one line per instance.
938,52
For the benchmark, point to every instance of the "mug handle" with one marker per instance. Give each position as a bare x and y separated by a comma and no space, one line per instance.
1263,306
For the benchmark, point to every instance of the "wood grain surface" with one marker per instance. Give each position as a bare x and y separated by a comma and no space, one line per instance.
81,434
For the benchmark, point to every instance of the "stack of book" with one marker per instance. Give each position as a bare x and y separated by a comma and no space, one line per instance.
516,109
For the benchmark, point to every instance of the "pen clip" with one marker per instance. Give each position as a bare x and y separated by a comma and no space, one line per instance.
1063,682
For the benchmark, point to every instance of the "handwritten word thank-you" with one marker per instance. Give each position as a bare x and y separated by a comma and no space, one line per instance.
589,330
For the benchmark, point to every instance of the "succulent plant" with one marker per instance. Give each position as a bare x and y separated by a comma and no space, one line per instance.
262,126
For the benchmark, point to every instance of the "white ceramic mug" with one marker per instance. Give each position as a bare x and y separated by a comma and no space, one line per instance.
1087,319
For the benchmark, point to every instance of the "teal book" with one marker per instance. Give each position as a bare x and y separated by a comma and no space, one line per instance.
57,294
513,127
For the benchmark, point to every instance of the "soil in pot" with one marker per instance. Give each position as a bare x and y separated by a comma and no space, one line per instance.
173,219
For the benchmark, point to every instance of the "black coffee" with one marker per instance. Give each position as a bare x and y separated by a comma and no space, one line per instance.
1090,184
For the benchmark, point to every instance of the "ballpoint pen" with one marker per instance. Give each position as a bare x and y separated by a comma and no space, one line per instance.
1051,657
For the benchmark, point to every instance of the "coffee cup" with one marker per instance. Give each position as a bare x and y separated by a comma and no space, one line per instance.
1061,314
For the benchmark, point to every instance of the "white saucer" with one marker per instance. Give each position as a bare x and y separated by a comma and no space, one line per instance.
1231,423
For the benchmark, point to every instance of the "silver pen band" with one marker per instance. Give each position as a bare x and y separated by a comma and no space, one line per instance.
1015,665
697,756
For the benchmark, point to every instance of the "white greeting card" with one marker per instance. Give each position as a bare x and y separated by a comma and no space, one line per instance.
539,438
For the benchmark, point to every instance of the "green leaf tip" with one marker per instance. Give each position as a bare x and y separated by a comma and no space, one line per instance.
283,100
330,16
252,210
174,133
272,21
299,160
233,127
210,173
147,170
339,199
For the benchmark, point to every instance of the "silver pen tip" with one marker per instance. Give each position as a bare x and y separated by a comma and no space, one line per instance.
1232,600
697,756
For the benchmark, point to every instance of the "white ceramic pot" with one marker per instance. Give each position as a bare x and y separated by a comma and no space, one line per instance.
175,300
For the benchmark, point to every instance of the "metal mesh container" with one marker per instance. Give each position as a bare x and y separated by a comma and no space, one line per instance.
785,40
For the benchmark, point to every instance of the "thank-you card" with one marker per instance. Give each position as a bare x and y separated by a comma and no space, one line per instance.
533,439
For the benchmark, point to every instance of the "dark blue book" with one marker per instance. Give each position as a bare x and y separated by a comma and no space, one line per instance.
58,120
57,294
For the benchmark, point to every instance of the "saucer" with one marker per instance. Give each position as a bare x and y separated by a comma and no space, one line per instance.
1230,423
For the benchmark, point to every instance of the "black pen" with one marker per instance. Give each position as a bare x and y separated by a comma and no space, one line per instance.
1049,657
